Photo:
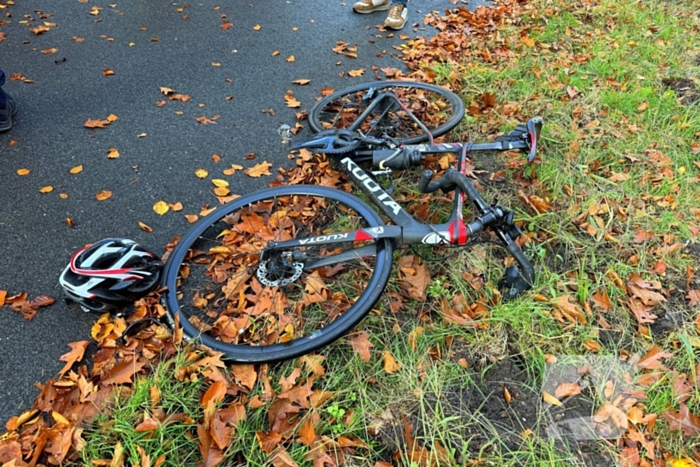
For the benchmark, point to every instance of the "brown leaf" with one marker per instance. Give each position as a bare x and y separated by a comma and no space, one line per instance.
150,424
357,73
641,312
601,300
360,344
268,441
75,355
41,301
567,390
258,170
245,375
3,295
122,373
211,454
694,297
682,420
652,359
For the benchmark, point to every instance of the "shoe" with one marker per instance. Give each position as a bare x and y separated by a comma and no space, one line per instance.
370,6
6,114
396,19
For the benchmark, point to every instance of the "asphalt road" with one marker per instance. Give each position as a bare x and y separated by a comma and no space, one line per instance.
147,44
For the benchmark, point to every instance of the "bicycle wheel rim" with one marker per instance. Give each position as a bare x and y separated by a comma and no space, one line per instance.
350,310
436,107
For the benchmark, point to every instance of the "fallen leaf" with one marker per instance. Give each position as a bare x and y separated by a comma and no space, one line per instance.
201,173
258,170
550,399
23,172
290,59
122,372
682,420
145,227
390,363
161,207
112,153
76,170
356,73
361,345
107,72
567,390
75,355
46,189
103,195
301,82
257,27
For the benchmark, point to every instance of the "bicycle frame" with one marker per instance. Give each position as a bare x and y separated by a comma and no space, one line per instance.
407,231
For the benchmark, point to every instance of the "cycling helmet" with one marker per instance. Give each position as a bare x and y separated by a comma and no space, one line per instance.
110,274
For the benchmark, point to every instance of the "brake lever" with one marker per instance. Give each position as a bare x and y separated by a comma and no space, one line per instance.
534,127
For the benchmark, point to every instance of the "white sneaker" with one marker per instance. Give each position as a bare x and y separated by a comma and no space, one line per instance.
396,19
370,6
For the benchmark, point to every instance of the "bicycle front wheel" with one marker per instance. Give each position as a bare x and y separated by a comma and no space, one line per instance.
437,108
261,308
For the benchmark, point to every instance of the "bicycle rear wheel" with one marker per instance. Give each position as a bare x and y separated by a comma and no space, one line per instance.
282,306
437,108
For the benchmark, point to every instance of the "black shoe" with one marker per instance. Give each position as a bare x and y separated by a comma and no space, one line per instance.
6,114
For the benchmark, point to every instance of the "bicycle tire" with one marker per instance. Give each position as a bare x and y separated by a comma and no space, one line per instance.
447,118
279,208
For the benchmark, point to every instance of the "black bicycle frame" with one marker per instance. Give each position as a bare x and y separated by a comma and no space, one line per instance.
407,230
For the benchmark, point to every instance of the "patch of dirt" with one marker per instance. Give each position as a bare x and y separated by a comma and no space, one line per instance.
482,421
685,89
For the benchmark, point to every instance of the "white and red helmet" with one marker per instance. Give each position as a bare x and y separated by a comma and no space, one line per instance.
110,274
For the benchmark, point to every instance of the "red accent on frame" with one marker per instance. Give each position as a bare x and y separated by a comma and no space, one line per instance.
362,236
458,231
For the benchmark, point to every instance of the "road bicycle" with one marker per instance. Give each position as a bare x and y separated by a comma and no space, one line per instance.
284,271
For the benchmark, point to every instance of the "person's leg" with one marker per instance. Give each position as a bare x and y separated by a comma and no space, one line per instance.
8,107
370,6
3,96
398,14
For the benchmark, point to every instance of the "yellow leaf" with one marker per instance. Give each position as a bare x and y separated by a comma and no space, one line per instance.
22,172
145,227
59,418
112,153
103,195
685,462
390,363
46,189
76,170
161,207
112,118
550,399
201,173
220,183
